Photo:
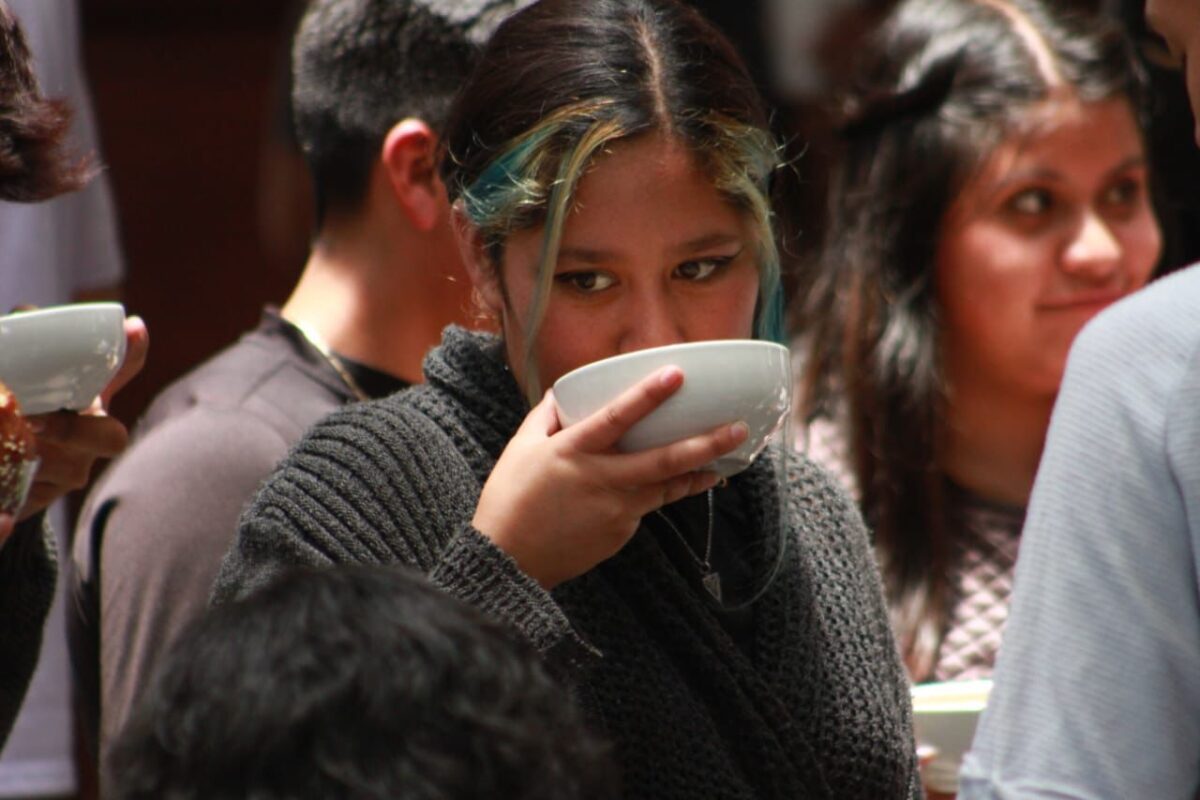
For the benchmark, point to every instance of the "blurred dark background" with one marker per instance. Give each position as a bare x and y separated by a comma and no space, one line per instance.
211,203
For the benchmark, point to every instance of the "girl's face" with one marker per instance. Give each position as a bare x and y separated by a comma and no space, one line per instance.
1054,227
651,255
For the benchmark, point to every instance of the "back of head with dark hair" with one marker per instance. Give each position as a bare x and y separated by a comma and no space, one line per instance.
361,66
942,83
354,683
35,164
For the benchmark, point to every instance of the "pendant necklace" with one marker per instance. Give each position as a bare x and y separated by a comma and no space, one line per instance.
710,579
317,343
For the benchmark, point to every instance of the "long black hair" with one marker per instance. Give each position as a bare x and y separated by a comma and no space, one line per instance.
942,83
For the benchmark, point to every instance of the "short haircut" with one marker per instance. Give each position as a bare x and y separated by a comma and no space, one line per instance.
361,66
357,682
35,163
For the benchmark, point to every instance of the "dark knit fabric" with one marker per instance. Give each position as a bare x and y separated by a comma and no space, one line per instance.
818,707
28,570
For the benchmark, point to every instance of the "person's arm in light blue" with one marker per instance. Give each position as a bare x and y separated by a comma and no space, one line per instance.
1097,689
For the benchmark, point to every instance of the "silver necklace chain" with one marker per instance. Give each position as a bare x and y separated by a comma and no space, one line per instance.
331,358
709,577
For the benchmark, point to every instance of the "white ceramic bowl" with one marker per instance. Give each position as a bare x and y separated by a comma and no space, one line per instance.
724,381
944,717
61,357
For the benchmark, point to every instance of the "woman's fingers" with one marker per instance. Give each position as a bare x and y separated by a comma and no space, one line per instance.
68,446
655,496
669,461
88,436
137,345
542,419
601,431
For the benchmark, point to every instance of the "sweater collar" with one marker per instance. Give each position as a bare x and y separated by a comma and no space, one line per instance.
470,367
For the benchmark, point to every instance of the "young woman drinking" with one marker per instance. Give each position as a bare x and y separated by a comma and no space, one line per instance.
609,164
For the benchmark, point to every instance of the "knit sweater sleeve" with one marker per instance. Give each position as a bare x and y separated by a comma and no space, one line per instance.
377,483
842,561
28,569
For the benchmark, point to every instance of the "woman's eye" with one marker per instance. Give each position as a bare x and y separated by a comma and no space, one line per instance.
1031,202
586,282
1122,192
701,268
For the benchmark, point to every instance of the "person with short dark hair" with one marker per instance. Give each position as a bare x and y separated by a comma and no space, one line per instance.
610,164
371,81
357,683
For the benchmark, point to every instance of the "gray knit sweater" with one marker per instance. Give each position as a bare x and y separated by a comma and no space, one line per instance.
816,706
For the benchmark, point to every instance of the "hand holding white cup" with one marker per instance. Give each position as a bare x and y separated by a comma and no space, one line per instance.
63,365
619,438
560,501
725,381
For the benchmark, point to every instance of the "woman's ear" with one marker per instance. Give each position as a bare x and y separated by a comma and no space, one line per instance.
484,274
410,162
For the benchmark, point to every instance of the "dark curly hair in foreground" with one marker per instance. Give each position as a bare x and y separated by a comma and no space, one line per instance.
34,161
355,683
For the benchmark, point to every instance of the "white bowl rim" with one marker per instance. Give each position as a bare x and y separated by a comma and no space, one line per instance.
64,308
952,688
951,697
961,707
668,349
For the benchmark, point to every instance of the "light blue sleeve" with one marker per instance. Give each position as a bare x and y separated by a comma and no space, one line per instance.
1097,689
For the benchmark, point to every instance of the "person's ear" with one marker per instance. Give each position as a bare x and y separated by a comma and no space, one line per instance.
410,163
484,274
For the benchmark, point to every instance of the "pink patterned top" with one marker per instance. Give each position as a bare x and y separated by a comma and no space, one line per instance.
985,555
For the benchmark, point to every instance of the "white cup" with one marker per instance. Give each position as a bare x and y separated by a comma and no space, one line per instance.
61,357
724,381
945,716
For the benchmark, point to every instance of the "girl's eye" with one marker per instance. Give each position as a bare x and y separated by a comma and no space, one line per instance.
1123,192
585,282
1031,202
701,268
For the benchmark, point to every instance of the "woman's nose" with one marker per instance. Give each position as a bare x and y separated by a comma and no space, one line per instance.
1094,252
652,322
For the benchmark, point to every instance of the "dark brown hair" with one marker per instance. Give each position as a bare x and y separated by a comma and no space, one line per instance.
35,163
943,82
361,66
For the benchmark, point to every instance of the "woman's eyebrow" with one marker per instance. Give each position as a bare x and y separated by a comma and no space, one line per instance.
599,255
710,240
1034,175
588,255
1133,162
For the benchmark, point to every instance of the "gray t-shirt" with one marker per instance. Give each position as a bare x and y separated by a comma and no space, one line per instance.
155,527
